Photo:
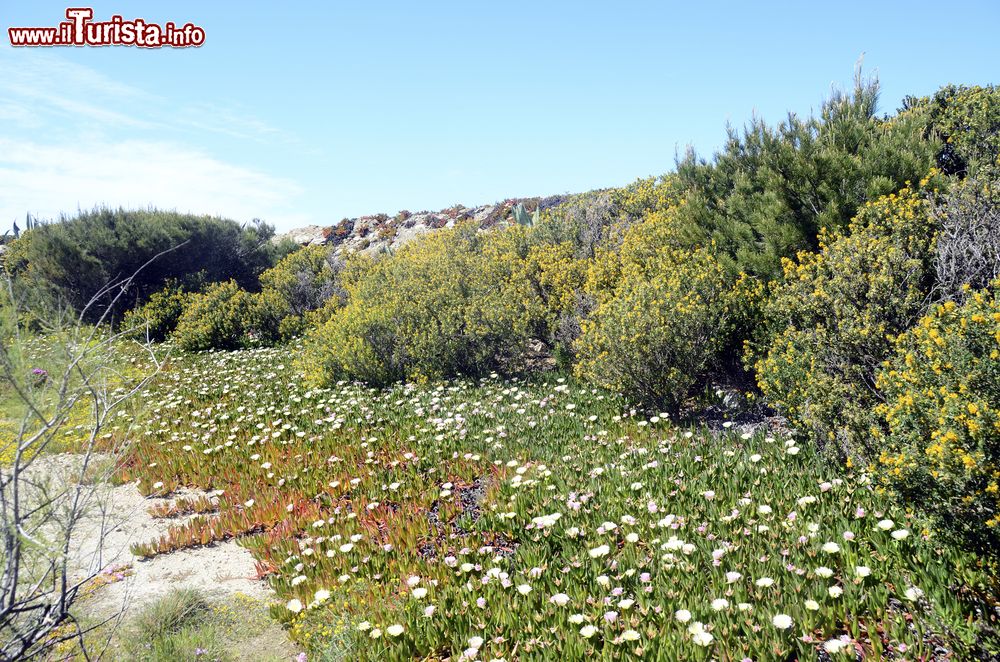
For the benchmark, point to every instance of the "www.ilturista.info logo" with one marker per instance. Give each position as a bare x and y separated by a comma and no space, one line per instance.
81,30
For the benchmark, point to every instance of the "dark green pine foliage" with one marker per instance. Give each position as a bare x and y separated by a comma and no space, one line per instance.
768,192
79,256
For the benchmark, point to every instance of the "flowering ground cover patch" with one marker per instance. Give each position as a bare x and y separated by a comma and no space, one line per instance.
516,520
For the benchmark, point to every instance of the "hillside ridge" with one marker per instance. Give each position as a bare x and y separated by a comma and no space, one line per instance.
375,232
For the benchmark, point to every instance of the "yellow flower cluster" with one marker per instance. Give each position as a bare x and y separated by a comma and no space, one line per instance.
833,316
943,418
663,315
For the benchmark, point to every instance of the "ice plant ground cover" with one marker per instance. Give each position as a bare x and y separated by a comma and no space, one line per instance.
506,519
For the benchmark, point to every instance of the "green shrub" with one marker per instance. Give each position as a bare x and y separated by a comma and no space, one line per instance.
158,317
554,275
220,317
830,322
79,256
942,411
663,317
967,120
178,626
299,284
305,279
766,195
441,306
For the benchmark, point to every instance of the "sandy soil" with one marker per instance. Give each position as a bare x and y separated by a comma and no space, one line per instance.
221,569
218,570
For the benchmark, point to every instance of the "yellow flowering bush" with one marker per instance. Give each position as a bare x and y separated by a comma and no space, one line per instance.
555,278
216,318
832,318
157,318
301,283
663,316
942,411
968,118
441,306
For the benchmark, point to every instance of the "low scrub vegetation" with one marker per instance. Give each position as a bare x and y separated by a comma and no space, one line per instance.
413,484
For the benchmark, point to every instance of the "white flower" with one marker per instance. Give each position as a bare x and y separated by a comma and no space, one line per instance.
755,458
524,589
719,604
346,547
886,524
630,635
560,599
782,621
733,577
682,615
322,595
913,593
626,604
294,606
420,592
764,510
831,547
900,534
394,630
249,503
597,552
364,625
812,605
792,450
702,638
429,611
413,580
764,582
576,619
744,606
835,646
709,494
698,634
476,642
588,631
862,571
835,591
632,537
824,572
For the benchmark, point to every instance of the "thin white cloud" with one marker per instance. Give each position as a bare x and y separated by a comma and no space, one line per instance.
72,137
227,121
47,180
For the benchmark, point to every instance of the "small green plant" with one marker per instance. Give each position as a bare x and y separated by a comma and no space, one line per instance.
523,217
178,626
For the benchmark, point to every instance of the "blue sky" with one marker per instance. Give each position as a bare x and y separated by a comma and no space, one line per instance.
303,113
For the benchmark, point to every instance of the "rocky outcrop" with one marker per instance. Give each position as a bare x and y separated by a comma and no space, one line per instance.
381,231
